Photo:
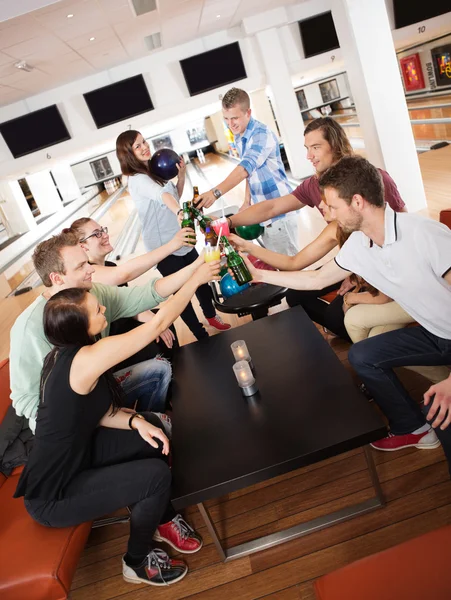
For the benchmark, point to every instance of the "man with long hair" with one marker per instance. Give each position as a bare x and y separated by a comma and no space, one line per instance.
326,143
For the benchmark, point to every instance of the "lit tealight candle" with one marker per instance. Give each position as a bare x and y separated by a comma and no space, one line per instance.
245,378
240,351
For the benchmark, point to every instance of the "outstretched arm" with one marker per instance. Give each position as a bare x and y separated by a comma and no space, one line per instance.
329,274
238,175
92,361
137,266
171,283
307,256
263,211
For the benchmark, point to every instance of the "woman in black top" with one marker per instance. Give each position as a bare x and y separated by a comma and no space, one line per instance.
90,456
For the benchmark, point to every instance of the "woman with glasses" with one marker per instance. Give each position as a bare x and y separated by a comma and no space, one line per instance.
157,202
94,239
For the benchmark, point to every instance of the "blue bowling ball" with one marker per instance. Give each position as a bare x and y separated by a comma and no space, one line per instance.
164,163
229,286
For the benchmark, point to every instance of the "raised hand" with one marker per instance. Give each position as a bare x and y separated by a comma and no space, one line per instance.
239,243
208,272
183,236
205,200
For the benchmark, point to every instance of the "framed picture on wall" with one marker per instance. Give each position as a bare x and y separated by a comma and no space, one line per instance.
196,134
302,100
163,141
441,59
101,168
329,90
412,73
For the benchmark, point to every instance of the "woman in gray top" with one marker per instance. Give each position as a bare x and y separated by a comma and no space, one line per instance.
157,202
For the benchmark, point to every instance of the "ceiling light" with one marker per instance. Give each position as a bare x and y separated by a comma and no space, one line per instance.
69,16
91,39
218,16
23,66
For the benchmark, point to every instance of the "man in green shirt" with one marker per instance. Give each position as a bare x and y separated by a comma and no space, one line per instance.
62,263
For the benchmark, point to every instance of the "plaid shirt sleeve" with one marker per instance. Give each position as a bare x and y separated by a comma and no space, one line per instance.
260,145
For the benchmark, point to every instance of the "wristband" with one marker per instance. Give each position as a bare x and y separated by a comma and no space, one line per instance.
137,416
229,221
179,211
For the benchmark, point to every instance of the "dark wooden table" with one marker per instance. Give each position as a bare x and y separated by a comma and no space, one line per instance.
307,410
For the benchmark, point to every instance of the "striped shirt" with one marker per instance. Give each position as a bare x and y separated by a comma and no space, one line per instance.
259,150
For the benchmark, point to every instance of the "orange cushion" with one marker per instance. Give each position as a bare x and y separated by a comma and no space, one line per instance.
38,563
415,570
5,391
329,297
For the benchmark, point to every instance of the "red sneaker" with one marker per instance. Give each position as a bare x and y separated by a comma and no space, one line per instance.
218,323
423,441
178,534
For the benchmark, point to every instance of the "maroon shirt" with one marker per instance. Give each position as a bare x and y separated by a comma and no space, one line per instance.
308,192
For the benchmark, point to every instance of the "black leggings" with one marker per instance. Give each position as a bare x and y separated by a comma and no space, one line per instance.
125,471
172,264
330,316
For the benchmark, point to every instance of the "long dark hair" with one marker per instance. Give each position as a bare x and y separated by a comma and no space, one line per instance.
130,165
66,323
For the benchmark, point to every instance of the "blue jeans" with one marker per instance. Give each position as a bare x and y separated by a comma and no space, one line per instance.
374,359
146,384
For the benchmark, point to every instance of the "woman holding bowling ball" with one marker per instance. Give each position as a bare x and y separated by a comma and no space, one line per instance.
157,203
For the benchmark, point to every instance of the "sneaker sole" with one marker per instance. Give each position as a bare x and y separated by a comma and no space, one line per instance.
157,538
138,580
419,446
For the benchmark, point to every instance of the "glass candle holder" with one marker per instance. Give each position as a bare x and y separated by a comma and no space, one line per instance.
245,378
240,352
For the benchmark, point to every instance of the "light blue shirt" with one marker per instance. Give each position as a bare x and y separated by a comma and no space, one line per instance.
259,151
158,223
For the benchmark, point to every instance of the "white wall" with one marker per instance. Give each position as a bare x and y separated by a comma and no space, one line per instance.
173,105
167,88
84,174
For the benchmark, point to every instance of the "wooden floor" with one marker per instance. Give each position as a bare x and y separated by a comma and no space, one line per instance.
418,492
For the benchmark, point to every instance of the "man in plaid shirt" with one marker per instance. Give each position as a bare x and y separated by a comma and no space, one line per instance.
261,165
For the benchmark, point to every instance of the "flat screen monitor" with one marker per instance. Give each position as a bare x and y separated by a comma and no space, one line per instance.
119,101
318,34
212,69
36,130
408,12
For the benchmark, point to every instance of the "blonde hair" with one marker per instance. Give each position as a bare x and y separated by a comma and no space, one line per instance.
236,96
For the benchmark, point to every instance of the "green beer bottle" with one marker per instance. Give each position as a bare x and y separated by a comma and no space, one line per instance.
236,263
188,221
203,221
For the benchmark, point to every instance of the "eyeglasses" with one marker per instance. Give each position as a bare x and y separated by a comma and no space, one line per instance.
97,233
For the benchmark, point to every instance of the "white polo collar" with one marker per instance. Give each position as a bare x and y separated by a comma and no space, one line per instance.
391,229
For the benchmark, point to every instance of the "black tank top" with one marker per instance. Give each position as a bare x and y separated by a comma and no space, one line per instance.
65,426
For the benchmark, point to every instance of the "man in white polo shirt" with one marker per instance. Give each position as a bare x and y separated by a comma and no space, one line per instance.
408,258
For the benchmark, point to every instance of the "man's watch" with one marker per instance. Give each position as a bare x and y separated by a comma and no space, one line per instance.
134,416
217,193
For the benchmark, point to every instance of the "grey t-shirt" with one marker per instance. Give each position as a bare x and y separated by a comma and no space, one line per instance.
159,224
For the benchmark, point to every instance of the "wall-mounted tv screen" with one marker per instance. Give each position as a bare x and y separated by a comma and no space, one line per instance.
210,70
318,34
119,101
408,12
34,131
